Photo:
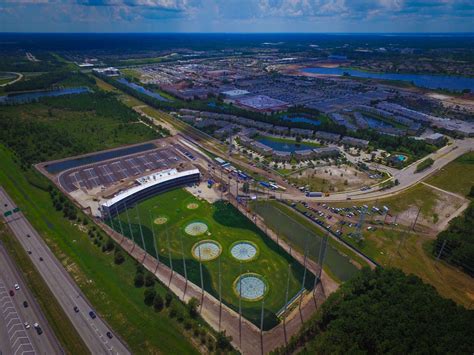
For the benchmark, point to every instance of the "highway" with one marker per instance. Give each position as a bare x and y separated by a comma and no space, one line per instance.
68,294
15,338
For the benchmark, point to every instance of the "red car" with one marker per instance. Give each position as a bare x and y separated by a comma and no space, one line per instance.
12,293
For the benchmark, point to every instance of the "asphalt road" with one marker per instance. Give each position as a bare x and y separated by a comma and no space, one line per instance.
14,337
68,294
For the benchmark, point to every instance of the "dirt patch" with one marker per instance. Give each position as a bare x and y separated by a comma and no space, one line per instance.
192,206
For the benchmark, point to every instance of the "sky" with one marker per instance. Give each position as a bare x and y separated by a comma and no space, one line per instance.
237,16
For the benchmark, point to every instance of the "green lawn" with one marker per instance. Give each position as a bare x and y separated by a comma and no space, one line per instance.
457,176
226,226
108,286
296,230
289,141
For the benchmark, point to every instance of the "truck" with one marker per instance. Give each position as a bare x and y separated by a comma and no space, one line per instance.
265,184
314,194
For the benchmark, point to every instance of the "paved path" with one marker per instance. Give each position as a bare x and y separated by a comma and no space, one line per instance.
13,315
68,294
18,78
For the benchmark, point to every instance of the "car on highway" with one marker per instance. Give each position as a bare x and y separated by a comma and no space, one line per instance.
25,304
28,235
12,293
92,315
41,258
17,287
38,328
76,309
109,335
27,325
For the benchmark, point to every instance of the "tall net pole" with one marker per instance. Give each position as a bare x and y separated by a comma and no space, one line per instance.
169,252
261,324
154,242
304,273
130,228
141,232
200,273
184,265
120,224
240,304
220,293
286,300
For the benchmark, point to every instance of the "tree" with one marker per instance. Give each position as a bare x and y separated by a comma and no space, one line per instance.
139,280
385,311
150,294
119,258
246,187
149,279
223,341
168,299
471,193
193,307
158,303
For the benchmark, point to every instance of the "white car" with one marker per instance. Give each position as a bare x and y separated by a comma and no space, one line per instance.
17,287
27,325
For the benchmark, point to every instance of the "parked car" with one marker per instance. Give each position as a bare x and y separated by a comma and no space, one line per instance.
92,315
17,287
109,335
12,293
25,304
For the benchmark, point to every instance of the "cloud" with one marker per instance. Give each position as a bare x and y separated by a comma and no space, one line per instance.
235,15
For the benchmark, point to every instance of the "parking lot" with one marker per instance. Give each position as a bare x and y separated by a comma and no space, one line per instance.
18,338
107,173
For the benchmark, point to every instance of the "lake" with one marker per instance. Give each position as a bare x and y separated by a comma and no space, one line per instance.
457,83
142,89
98,157
34,96
283,146
301,119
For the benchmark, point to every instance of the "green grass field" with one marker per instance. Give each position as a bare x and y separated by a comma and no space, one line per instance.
226,226
298,231
109,287
462,169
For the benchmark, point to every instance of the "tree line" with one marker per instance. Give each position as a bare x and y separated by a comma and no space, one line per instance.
385,311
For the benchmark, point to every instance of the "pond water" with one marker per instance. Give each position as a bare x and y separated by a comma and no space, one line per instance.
34,96
283,146
94,158
457,83
142,89
301,119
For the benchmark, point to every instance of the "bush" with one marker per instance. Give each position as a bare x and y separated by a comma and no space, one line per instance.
119,258
168,299
193,307
149,279
139,280
158,302
150,294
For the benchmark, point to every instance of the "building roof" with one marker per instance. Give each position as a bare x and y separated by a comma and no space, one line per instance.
236,92
147,184
262,102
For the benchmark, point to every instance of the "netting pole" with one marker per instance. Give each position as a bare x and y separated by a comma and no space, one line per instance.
184,265
261,325
154,242
130,228
220,294
240,304
202,282
120,224
169,253
141,232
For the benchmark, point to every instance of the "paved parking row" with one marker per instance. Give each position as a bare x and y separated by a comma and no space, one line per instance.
112,171
20,342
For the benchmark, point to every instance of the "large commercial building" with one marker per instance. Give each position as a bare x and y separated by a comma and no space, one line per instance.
149,186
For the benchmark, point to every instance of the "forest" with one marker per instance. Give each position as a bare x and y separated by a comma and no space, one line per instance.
58,78
385,311
456,243
63,126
